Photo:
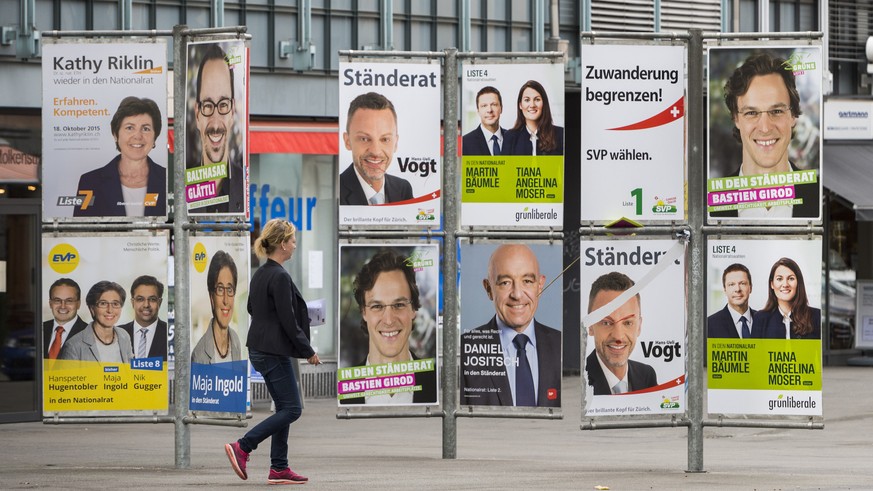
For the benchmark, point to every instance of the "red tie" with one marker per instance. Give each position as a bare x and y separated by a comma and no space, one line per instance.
56,344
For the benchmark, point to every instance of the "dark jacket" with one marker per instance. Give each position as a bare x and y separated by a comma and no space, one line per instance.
639,376
233,187
768,324
48,336
279,316
159,342
427,381
474,142
105,183
517,142
721,324
809,193
493,389
351,193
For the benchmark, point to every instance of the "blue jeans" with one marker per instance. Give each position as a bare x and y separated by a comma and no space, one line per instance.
278,373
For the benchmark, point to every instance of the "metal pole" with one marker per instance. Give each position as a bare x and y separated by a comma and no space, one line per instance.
450,249
464,20
181,338
387,28
539,25
696,218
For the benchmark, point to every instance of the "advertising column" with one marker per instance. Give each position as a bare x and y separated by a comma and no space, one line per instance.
389,148
764,326
104,129
219,291
633,132
512,170
765,134
105,324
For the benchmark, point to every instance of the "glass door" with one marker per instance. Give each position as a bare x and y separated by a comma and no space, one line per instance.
20,374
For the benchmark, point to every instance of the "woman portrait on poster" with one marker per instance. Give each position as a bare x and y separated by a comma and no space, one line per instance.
787,314
534,132
219,343
101,341
131,184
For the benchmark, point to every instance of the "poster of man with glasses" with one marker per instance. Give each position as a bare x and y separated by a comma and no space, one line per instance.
388,324
765,134
216,157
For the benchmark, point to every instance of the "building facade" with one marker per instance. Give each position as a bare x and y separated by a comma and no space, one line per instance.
295,47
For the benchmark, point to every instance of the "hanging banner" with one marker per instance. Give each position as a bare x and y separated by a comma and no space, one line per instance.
104,129
633,132
219,289
388,325
765,134
764,326
105,324
512,171
510,290
389,148
635,349
216,158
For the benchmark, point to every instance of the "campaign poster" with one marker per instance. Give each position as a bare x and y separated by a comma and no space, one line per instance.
218,279
765,134
763,326
512,121
633,320
216,105
389,143
511,324
633,132
104,130
388,308
100,293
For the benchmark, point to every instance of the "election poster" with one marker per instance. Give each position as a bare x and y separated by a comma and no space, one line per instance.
634,326
765,134
389,144
633,132
219,290
104,133
388,308
216,122
512,171
104,324
763,324
511,324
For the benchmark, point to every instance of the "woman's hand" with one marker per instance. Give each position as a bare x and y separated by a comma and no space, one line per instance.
314,360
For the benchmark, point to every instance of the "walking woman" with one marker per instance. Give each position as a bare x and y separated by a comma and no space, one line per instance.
279,330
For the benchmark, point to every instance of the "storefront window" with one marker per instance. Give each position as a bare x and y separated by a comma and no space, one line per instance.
300,189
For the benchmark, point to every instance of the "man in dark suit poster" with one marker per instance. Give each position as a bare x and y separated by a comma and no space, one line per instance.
609,367
148,334
65,298
512,360
487,138
371,136
735,319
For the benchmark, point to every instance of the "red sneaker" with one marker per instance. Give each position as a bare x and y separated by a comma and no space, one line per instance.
238,459
286,476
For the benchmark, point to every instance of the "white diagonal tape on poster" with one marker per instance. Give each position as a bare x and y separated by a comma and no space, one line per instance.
667,259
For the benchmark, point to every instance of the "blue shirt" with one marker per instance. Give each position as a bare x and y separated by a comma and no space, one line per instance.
507,334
